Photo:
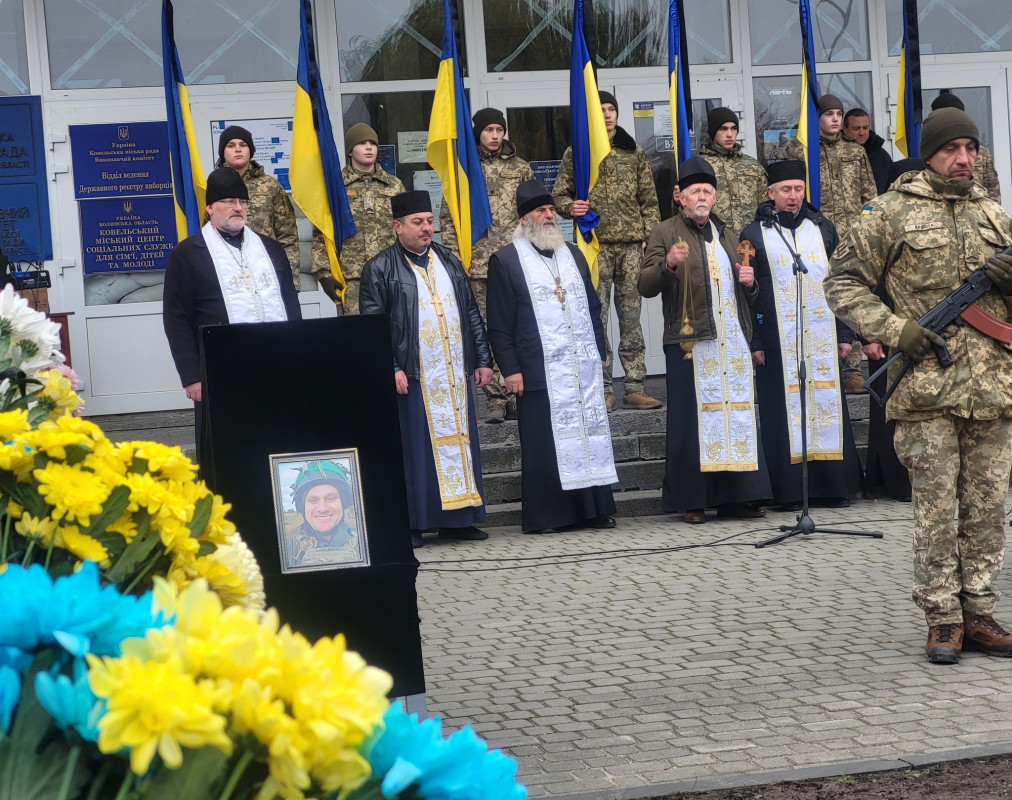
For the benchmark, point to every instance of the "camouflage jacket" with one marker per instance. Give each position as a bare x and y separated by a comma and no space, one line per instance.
504,170
921,241
624,196
271,214
369,199
986,175
846,182
741,184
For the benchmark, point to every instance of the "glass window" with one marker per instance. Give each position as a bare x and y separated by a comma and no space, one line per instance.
946,26
13,58
396,40
525,35
840,31
778,105
97,44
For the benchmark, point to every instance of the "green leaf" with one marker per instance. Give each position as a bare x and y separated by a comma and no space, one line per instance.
201,514
133,556
138,466
202,774
76,453
112,509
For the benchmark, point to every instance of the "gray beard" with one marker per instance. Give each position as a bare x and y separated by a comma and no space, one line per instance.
541,237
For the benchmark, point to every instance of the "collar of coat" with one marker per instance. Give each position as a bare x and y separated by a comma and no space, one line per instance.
622,140
506,150
928,183
351,174
713,149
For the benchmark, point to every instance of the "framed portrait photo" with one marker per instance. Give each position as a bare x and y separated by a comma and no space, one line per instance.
318,506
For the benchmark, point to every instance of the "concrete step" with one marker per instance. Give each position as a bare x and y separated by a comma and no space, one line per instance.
636,503
506,456
504,487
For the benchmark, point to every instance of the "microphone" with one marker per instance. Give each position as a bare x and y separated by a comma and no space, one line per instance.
767,215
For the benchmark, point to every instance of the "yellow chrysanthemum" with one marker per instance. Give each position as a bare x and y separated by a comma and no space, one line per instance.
12,423
218,529
167,462
34,528
17,456
125,526
154,706
73,493
54,442
59,391
231,570
86,548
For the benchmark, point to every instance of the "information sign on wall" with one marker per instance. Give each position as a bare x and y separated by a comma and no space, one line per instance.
24,188
120,159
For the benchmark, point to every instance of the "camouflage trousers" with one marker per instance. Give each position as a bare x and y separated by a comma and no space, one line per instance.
495,392
959,476
618,264
351,295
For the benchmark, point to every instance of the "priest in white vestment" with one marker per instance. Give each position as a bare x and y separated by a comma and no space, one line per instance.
544,323
788,325
439,346
714,456
223,274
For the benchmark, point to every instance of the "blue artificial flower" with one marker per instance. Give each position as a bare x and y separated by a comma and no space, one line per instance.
15,658
23,595
408,752
10,693
71,702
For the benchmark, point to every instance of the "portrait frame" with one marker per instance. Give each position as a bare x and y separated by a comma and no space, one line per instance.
308,488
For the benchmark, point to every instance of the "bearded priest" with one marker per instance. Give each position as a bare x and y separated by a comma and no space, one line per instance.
544,325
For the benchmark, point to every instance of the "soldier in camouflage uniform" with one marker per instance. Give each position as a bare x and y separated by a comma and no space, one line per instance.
953,425
741,180
785,149
983,172
270,209
369,188
504,171
626,199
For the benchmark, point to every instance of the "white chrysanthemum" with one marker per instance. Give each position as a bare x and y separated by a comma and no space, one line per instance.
238,559
32,333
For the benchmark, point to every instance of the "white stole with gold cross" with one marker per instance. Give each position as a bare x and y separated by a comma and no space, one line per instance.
444,384
822,399
573,373
725,393
249,284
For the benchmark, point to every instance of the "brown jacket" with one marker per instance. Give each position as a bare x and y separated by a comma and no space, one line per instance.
654,279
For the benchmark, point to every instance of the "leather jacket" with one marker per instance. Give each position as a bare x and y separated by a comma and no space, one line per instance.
389,287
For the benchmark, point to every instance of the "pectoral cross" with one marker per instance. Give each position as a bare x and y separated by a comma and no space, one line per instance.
746,251
560,291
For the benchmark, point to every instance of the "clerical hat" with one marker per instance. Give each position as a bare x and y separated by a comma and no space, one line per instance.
416,202
695,170
531,195
786,171
223,183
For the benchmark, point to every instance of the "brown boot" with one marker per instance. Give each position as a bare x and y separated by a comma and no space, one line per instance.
640,400
985,634
853,383
944,643
609,401
496,413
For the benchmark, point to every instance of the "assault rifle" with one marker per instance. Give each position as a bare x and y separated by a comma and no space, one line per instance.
961,304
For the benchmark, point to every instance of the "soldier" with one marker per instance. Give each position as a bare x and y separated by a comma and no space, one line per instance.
369,188
270,209
782,149
984,172
626,199
504,171
741,180
953,425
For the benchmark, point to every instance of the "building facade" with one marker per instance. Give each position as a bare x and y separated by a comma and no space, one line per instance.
98,62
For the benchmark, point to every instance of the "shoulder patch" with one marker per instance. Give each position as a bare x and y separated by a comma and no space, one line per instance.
842,250
911,227
866,210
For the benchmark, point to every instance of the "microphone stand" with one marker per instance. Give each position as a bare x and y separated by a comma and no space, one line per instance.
805,523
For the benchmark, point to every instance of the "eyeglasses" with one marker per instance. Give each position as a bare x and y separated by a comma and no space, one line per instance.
231,201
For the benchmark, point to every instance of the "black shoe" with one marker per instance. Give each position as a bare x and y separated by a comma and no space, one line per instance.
603,521
416,540
831,502
538,532
789,507
468,534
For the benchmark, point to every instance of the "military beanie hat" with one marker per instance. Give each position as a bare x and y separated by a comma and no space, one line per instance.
416,202
608,97
531,195
942,126
695,170
828,102
717,117
358,133
235,132
223,183
947,100
485,117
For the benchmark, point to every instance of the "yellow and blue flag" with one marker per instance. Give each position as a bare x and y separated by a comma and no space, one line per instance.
314,171
808,125
678,83
188,180
590,138
908,113
452,151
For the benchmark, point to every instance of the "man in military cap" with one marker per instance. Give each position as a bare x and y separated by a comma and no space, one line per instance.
983,171
504,171
369,188
714,455
270,209
439,342
323,495
954,424
741,180
626,199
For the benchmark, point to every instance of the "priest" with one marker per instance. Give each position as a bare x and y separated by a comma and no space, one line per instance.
544,324
788,327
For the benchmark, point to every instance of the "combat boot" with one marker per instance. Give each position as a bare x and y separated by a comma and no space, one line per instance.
944,643
983,633
496,412
853,383
640,400
609,400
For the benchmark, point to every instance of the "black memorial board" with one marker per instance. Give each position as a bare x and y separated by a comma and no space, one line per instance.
302,387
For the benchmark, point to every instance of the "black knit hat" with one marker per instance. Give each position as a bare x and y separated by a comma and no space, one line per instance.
225,182
828,102
786,171
235,132
942,126
485,117
608,97
717,117
416,202
947,100
531,195
695,170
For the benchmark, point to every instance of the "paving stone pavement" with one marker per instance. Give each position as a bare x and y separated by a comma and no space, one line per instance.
660,655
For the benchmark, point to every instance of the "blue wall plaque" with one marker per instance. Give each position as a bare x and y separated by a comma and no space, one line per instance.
24,188
120,159
128,234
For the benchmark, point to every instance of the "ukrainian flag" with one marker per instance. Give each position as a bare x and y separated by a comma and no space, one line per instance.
678,83
808,125
314,171
453,156
908,113
590,138
188,180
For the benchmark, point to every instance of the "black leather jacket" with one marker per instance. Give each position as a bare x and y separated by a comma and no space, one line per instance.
389,287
